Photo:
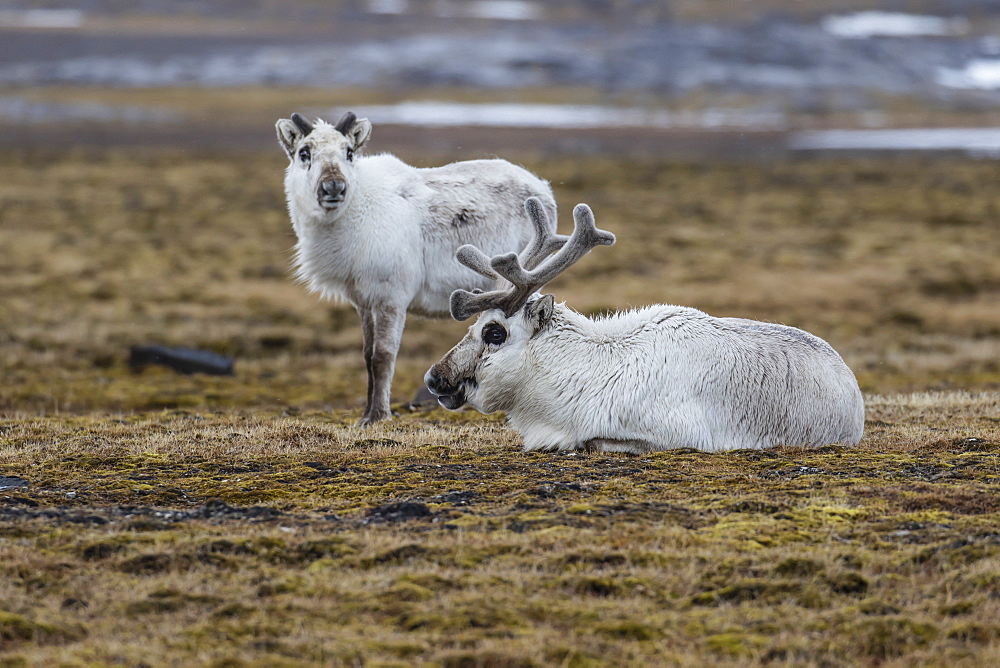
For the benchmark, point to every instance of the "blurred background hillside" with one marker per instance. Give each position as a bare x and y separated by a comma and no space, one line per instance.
680,75
829,164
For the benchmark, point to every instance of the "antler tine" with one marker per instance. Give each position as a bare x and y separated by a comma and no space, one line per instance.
544,241
585,237
476,260
525,283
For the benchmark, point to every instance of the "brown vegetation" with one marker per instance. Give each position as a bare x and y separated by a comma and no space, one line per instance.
158,518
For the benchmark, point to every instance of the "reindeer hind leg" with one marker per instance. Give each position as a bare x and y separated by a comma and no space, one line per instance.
368,332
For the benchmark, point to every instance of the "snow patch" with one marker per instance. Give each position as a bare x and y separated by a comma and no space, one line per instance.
20,110
979,74
449,114
863,25
388,6
978,141
41,18
505,10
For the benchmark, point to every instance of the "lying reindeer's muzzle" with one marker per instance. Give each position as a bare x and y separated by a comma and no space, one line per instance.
452,401
450,396
331,193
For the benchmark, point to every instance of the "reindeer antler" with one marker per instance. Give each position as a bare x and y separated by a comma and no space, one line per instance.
525,282
302,123
544,242
345,123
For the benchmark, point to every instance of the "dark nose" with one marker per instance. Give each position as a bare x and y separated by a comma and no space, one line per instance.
437,384
332,188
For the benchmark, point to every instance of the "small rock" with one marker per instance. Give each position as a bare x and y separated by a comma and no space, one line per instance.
12,482
458,497
182,360
399,511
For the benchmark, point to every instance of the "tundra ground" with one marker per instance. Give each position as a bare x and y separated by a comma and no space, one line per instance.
148,517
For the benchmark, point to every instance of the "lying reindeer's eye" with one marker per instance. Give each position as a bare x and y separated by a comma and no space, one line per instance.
494,334
305,154
350,155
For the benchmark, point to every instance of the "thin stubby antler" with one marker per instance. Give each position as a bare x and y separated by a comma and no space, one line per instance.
345,123
302,123
305,126
541,269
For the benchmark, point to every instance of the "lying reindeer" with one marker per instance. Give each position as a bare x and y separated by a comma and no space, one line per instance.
382,235
654,378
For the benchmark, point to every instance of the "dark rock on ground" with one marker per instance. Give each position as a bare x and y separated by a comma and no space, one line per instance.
399,511
12,482
182,360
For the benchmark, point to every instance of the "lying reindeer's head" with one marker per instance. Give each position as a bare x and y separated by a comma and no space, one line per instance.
322,159
483,370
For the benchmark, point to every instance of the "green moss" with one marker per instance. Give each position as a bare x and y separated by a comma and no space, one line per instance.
874,606
571,657
102,549
431,581
325,548
286,585
151,564
474,659
957,608
407,591
16,628
887,637
170,600
760,590
231,610
736,644
397,555
13,661
847,582
798,567
593,586
483,615
630,630
590,559
972,632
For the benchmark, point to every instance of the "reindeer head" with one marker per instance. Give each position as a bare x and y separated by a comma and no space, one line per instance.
322,159
485,367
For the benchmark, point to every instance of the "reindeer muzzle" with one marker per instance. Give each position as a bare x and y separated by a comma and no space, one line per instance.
452,401
450,396
330,193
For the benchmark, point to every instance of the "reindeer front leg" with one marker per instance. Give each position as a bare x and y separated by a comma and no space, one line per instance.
388,329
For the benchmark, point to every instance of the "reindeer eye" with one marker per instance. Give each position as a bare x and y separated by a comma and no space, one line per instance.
305,154
494,334
350,155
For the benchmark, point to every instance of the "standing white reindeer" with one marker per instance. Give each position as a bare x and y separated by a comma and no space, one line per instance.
655,378
382,234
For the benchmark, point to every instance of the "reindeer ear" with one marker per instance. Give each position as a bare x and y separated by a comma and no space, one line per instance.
360,132
540,312
288,135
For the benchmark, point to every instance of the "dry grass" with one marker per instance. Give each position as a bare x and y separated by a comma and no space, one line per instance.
190,537
893,262
193,520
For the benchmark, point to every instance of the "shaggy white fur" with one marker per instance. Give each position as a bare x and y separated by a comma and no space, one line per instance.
654,378
382,234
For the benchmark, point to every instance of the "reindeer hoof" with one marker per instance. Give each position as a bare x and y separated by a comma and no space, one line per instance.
374,418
